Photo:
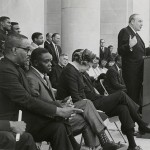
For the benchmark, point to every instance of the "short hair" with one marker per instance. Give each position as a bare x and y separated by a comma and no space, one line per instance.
132,17
3,18
83,56
63,54
37,53
35,35
13,40
14,23
47,34
117,58
101,40
97,58
110,46
55,35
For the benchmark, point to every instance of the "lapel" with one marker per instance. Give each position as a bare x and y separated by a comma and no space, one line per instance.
48,87
54,52
139,39
118,74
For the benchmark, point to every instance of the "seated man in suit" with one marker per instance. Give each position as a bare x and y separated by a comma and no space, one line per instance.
15,94
57,69
117,104
37,39
79,123
8,130
113,80
53,48
41,88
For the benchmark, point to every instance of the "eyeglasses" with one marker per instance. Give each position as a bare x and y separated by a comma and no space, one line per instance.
27,49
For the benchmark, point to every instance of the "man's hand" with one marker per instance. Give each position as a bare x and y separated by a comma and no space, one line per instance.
132,41
67,112
18,126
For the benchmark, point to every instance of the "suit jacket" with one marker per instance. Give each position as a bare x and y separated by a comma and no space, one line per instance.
55,74
106,54
38,86
89,88
51,50
4,125
113,81
138,51
15,94
71,84
3,36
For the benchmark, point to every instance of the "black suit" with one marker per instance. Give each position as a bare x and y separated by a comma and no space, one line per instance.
132,63
51,49
113,80
105,55
117,104
55,74
71,84
8,140
15,94
3,36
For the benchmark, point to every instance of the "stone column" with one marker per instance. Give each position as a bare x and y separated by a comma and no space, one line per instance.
143,8
80,25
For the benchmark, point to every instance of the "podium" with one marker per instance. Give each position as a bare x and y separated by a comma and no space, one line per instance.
146,93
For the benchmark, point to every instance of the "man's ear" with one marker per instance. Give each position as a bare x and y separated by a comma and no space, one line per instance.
14,50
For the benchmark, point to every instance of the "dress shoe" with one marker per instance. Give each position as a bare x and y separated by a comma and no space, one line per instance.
144,129
113,146
135,148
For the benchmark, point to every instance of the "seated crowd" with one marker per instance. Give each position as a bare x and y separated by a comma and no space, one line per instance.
60,99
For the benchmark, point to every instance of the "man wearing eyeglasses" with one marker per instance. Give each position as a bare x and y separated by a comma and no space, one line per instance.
15,94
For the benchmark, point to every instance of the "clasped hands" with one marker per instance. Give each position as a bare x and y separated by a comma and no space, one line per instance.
68,110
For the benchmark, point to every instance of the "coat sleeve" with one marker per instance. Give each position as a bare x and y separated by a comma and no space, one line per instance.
112,76
73,84
123,42
4,125
11,86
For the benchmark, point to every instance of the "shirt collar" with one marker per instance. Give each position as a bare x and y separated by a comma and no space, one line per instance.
41,74
53,44
118,67
48,42
133,29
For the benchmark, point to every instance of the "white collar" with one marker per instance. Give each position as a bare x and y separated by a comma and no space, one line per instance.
118,68
53,44
41,74
133,29
48,42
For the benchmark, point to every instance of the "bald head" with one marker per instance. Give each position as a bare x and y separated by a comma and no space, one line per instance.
136,22
13,40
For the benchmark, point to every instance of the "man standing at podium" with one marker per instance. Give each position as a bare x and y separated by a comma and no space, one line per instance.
132,49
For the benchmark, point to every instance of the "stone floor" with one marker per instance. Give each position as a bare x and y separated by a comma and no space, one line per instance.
143,143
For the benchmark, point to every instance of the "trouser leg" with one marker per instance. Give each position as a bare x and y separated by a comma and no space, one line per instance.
124,117
56,134
26,142
80,125
91,115
133,108
7,140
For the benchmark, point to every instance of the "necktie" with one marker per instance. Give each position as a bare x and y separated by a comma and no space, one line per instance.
56,50
46,80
